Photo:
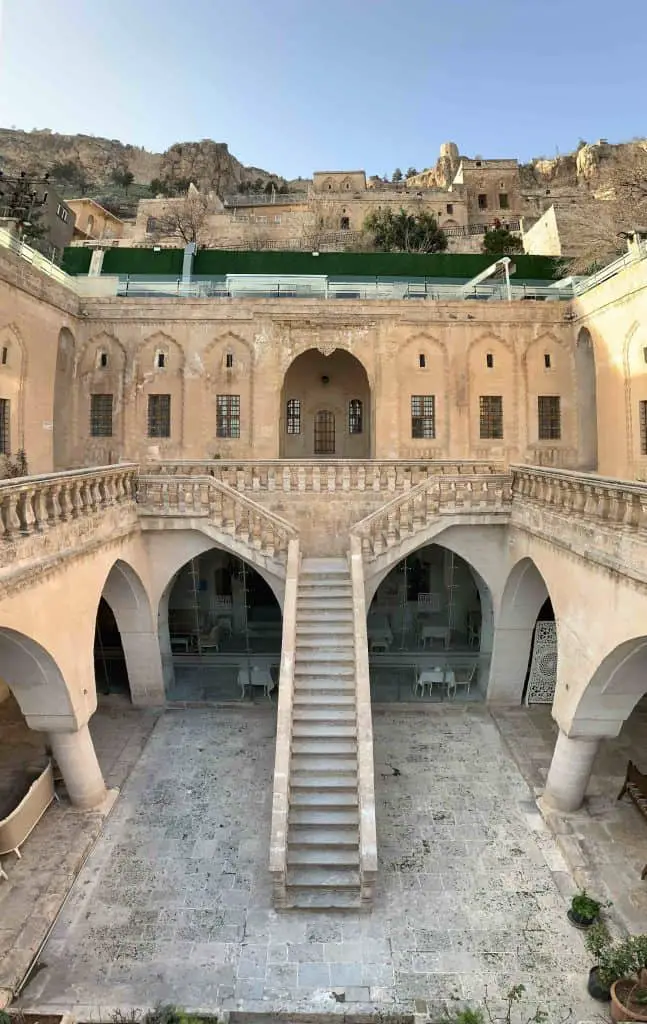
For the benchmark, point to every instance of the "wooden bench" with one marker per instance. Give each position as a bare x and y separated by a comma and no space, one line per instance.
635,785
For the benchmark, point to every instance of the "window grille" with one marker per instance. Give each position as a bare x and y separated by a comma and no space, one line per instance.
642,409
159,415
549,417
355,425
228,415
491,416
423,416
294,416
100,415
5,426
325,433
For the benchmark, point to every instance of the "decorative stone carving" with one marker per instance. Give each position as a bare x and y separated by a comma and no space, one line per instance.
543,666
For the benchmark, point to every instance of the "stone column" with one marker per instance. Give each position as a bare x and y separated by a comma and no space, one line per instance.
76,757
570,771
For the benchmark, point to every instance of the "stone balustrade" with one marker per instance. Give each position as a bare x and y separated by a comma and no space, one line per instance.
227,509
411,512
582,496
34,504
299,476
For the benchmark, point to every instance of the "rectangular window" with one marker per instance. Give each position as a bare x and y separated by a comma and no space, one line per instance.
503,201
228,415
159,415
450,208
482,201
642,411
549,417
491,416
100,415
151,225
5,425
423,416
294,416
229,360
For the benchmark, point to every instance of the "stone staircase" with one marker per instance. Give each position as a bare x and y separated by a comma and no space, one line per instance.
323,854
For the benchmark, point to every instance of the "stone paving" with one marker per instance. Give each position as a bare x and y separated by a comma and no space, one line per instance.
174,901
38,883
605,843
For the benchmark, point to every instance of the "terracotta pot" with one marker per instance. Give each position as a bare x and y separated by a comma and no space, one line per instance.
619,1012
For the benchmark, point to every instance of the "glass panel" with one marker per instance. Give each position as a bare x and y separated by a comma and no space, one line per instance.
294,416
549,416
225,631
355,425
424,631
325,433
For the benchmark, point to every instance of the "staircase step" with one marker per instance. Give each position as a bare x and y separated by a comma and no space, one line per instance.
324,564
325,615
315,876
327,643
324,595
315,604
316,627
324,714
311,817
317,746
321,856
337,669
311,837
313,899
303,699
324,730
317,763
334,800
331,656
323,781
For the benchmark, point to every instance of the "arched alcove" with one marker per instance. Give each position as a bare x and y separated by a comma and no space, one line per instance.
587,409
63,421
429,629
325,407
221,626
524,605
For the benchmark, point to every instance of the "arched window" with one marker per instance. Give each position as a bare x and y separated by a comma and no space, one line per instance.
355,425
344,224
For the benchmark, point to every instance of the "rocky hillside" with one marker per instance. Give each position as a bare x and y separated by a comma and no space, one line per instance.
209,164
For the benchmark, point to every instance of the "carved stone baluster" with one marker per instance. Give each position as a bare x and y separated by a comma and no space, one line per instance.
590,505
62,502
26,511
642,512
257,531
286,480
316,479
97,496
632,510
77,499
301,479
345,478
10,514
41,511
331,478
361,477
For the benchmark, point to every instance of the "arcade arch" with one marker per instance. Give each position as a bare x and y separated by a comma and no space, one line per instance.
326,407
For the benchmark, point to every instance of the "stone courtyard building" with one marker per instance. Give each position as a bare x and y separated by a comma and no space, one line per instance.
343,497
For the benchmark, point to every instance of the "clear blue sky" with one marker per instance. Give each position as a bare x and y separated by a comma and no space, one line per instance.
300,85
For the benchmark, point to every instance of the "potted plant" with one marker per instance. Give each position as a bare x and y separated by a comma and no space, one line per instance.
584,910
597,942
627,963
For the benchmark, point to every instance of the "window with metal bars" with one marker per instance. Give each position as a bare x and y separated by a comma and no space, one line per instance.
100,415
642,414
159,415
228,415
293,417
355,424
549,417
423,416
5,426
491,416
325,433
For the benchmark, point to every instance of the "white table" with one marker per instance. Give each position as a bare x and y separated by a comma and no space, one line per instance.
428,633
437,676
256,677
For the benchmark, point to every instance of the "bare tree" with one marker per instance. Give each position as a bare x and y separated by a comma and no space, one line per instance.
185,218
591,229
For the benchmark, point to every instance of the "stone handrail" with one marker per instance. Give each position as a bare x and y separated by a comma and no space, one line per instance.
281,788
294,476
228,509
437,495
583,495
33,504
365,766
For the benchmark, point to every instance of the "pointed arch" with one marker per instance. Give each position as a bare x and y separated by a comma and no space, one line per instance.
524,595
36,681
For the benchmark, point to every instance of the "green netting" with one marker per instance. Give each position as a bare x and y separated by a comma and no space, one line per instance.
218,262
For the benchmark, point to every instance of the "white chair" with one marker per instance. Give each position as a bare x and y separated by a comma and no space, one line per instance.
211,640
429,602
463,678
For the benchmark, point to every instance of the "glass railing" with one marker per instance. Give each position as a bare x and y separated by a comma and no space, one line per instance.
261,286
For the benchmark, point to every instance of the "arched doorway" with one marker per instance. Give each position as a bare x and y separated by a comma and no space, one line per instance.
520,668
586,400
325,407
110,671
427,628
224,628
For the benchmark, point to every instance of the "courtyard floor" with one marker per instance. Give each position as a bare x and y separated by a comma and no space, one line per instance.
174,902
